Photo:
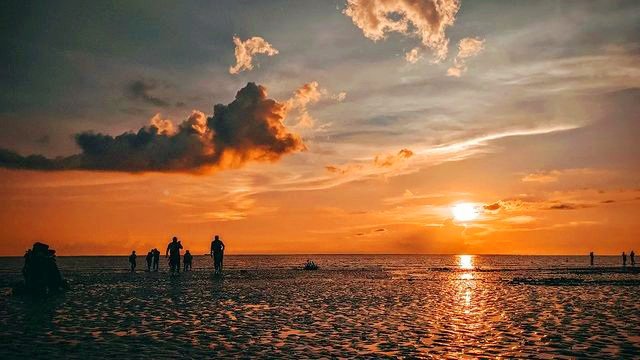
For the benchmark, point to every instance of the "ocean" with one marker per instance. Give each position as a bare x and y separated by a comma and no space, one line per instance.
396,306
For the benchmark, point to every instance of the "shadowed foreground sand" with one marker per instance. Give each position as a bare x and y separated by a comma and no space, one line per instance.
334,313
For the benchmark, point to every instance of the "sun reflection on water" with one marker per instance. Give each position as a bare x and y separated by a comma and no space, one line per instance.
466,276
466,262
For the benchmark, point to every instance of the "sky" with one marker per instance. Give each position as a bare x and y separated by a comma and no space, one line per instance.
344,126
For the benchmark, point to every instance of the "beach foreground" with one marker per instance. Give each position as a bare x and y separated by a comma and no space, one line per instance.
376,311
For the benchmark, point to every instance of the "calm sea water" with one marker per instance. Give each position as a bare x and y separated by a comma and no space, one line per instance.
411,263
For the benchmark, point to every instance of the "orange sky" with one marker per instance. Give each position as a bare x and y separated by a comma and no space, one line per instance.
359,137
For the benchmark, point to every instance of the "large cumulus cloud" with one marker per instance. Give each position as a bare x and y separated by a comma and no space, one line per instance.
248,129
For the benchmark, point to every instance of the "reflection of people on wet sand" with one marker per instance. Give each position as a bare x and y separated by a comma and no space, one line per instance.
624,259
156,259
149,259
188,259
632,257
132,260
217,253
173,252
591,256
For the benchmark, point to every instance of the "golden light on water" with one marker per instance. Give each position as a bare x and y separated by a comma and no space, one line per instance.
466,276
466,262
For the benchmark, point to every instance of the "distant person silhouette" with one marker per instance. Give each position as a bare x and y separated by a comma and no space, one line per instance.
149,259
173,252
188,259
156,259
591,256
217,253
132,260
632,255
624,259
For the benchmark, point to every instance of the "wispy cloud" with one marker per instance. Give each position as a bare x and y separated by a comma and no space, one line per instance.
467,48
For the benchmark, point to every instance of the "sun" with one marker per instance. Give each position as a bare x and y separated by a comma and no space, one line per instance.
464,212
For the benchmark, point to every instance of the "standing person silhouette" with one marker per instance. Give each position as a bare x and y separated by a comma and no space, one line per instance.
173,252
156,259
632,255
149,259
591,256
188,260
217,253
132,260
624,259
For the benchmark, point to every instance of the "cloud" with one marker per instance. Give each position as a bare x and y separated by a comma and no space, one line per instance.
550,176
245,51
141,90
425,19
542,177
565,206
339,97
492,207
413,56
391,160
521,219
309,93
467,48
381,165
248,129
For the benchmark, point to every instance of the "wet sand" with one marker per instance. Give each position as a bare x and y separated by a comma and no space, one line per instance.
329,313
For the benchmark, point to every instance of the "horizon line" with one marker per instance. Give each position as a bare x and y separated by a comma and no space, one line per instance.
339,254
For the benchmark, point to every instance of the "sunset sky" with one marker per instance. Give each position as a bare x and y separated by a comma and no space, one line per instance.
345,126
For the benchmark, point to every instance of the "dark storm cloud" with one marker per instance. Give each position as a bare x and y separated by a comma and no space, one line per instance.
249,128
141,90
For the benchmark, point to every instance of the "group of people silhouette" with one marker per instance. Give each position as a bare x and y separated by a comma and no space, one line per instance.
173,254
632,257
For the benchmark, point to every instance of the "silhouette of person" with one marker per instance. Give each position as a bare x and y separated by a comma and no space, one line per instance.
591,256
156,259
217,253
624,259
188,258
40,271
132,260
632,255
149,259
173,252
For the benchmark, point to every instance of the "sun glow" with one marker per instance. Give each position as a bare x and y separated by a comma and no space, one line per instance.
464,212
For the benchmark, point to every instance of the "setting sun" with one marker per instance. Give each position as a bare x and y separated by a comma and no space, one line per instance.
464,212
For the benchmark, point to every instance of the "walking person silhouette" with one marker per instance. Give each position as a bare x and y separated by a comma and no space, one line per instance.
173,252
217,253
624,259
632,256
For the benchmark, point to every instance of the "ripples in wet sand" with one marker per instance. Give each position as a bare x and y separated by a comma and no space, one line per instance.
329,313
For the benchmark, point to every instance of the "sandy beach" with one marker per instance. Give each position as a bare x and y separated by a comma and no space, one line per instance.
377,311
